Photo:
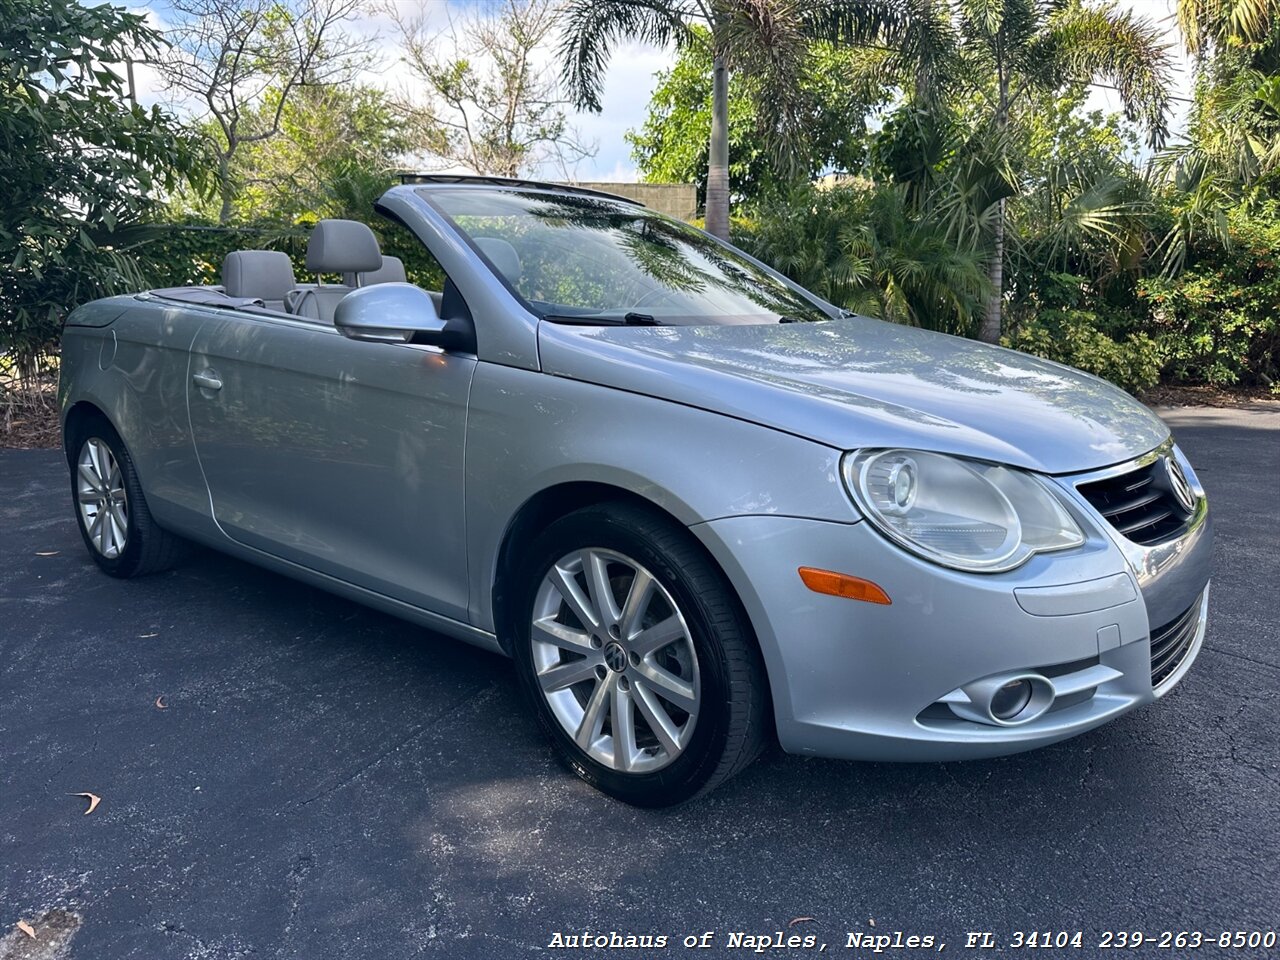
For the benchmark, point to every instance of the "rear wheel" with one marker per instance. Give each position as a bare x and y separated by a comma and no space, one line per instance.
636,657
111,510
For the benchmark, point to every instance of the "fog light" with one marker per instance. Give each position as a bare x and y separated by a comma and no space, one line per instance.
1011,699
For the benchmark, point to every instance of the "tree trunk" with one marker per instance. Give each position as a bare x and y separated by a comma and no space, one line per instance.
224,189
990,332
718,161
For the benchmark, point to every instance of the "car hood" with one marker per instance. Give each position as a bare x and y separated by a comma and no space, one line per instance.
858,382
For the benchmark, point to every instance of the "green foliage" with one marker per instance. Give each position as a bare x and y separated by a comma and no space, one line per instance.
230,57
1231,153
1084,209
1077,338
332,141
672,145
81,167
871,250
1219,321
178,254
333,156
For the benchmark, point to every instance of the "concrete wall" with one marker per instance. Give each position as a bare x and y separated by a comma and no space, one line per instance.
678,200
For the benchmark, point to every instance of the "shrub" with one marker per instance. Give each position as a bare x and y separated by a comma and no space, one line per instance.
1076,338
1217,321
80,165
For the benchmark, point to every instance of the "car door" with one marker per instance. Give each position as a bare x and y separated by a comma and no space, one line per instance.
343,456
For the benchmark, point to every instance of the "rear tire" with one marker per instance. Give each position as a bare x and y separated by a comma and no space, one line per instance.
111,510
637,658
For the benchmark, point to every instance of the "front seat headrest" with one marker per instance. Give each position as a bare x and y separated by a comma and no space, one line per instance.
265,275
342,246
502,255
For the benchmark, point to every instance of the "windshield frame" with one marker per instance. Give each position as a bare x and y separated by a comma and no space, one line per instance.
429,193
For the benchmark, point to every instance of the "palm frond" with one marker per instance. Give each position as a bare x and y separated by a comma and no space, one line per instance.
592,28
1200,195
1102,43
1218,23
766,41
920,33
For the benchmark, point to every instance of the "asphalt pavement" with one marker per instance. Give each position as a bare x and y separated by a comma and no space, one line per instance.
282,773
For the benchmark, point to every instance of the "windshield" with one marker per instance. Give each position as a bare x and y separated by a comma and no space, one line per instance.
593,259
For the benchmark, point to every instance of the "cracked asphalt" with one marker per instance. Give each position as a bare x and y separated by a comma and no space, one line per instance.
325,781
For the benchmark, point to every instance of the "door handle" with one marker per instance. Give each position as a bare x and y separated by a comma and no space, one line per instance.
207,380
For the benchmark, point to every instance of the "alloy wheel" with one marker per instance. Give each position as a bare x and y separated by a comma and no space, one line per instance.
101,497
615,660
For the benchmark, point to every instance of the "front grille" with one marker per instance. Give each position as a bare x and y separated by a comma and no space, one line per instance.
1140,504
1171,643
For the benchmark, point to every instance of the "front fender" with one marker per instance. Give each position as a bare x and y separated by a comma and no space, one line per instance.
529,431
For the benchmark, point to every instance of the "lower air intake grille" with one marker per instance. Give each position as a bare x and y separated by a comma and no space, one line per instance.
1140,504
1171,643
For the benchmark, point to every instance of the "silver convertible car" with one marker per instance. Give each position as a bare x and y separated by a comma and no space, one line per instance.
698,506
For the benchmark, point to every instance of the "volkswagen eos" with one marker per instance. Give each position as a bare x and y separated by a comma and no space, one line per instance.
698,506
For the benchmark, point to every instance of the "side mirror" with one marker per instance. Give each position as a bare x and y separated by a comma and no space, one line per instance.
392,313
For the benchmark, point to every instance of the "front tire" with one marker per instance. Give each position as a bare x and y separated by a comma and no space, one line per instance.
637,658
111,511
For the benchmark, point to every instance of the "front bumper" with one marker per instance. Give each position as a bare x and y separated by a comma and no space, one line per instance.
865,681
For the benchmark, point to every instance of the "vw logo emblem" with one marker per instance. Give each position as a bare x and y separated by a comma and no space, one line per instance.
615,657
1179,485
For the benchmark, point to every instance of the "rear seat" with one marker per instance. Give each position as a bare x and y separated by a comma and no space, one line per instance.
265,275
336,246
391,271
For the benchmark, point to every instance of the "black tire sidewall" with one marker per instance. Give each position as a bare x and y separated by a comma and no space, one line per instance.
631,533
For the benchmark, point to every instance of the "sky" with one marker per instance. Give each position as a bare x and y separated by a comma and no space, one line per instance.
630,79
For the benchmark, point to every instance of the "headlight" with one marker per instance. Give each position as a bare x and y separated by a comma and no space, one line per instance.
959,513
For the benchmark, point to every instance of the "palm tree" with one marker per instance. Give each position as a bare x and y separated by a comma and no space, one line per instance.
1005,52
1233,143
762,37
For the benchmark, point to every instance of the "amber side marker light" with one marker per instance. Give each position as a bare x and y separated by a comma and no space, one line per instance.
843,585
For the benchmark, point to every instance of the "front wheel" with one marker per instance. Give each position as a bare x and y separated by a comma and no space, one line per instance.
111,511
637,657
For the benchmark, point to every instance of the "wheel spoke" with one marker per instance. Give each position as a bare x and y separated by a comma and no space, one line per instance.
89,476
116,532
578,602
657,636
103,522
98,450
623,723
593,716
548,630
655,714
637,600
670,687
596,568
564,675
89,496
119,518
